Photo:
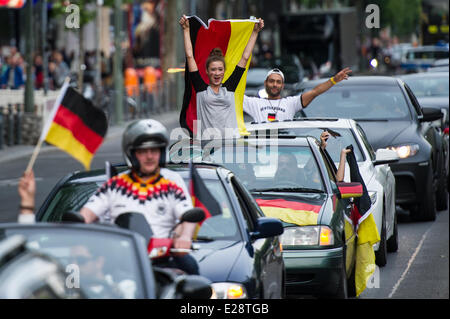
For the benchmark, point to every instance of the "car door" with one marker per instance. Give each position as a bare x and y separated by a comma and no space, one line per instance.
267,251
343,207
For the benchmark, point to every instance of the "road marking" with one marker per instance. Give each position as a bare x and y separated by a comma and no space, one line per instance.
411,260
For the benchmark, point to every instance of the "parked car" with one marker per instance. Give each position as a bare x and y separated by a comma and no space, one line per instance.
373,166
292,180
50,260
392,118
238,249
417,59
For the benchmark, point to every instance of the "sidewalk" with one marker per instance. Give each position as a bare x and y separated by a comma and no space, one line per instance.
11,153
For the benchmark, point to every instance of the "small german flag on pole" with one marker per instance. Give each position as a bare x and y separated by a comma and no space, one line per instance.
75,126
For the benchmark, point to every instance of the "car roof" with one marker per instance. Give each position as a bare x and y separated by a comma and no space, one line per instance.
428,48
357,80
424,75
309,122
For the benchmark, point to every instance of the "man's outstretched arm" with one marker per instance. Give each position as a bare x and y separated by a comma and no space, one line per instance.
307,97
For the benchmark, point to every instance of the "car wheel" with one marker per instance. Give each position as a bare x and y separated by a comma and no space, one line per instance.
381,253
392,242
442,191
426,210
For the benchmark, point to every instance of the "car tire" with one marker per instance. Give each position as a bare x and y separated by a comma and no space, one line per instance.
381,253
392,242
442,188
426,210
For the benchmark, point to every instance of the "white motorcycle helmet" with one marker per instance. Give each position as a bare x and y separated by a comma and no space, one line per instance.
140,134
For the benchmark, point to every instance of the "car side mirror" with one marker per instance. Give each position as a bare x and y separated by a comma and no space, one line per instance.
349,190
195,287
431,114
385,156
267,227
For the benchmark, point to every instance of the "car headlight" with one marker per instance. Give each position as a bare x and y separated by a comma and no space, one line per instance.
228,290
307,235
406,150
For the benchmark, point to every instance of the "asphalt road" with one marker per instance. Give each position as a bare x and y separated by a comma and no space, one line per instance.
418,270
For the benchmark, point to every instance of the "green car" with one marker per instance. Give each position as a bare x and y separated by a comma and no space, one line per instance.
292,179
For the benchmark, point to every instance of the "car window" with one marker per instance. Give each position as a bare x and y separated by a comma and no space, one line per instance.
335,143
106,263
413,100
261,167
366,142
360,102
222,225
70,197
246,209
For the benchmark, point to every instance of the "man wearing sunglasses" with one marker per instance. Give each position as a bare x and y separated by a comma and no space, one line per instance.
274,107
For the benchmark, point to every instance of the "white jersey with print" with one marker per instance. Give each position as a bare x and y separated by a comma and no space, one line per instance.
265,110
162,199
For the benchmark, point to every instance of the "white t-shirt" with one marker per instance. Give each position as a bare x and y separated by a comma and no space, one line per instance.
265,110
162,199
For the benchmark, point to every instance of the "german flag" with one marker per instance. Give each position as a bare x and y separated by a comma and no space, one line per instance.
366,229
231,36
201,196
290,211
75,126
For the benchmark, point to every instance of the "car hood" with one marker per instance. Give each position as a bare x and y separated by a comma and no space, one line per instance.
216,259
294,208
386,133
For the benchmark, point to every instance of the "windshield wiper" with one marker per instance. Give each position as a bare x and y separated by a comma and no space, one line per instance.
287,189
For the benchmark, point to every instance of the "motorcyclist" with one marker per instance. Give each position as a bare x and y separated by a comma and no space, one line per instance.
148,188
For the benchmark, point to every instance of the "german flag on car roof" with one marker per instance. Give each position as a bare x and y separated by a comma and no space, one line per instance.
231,36
75,126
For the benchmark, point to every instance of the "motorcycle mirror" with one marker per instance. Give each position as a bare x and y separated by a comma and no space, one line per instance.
135,222
193,215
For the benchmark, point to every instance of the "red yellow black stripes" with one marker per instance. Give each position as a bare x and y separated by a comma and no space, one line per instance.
78,127
294,212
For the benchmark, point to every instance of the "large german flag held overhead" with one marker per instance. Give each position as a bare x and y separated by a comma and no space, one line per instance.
76,126
231,36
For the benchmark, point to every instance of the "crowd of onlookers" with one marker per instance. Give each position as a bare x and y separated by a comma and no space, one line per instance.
13,73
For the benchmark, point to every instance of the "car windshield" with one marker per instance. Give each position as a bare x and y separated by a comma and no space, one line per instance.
72,197
335,143
102,264
277,167
221,225
360,102
428,86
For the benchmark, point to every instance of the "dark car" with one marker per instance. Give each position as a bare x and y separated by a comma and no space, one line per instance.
238,248
392,118
73,260
318,239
